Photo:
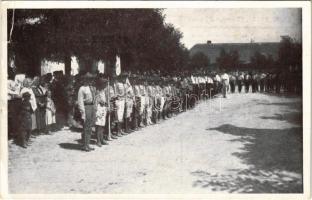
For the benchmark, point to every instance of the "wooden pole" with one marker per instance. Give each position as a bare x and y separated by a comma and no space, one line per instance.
186,97
108,96
126,110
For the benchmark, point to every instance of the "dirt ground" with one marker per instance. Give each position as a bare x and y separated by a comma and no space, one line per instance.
247,143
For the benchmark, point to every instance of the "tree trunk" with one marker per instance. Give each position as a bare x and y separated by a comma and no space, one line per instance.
67,64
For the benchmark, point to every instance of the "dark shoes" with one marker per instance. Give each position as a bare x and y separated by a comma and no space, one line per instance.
87,149
114,137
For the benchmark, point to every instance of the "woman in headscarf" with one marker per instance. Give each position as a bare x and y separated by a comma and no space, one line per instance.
27,88
40,94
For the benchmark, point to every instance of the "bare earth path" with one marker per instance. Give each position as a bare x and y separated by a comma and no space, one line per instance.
252,144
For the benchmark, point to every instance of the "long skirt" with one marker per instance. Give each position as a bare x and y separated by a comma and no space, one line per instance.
40,118
49,117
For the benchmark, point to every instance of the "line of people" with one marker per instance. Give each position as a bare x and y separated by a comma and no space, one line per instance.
129,102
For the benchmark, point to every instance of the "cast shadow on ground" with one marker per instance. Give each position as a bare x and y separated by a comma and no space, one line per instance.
274,157
292,115
285,95
70,146
294,105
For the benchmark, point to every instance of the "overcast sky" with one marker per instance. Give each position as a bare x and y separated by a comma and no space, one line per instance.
235,24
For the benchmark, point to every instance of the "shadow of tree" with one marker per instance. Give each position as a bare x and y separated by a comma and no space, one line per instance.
285,95
250,181
296,105
293,114
291,117
275,160
269,148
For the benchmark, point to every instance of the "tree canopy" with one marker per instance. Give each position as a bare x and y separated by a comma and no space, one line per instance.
290,52
140,36
199,60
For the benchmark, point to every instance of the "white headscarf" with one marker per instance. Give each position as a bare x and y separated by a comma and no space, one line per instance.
27,88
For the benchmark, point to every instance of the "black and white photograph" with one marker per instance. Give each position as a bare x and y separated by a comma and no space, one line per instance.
156,100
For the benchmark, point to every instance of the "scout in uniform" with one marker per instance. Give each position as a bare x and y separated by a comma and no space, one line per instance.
86,100
101,112
143,104
149,111
130,98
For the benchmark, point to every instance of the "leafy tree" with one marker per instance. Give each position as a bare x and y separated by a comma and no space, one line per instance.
258,60
199,60
290,52
139,36
228,60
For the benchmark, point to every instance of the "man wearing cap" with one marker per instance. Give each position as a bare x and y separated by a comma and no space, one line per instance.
86,101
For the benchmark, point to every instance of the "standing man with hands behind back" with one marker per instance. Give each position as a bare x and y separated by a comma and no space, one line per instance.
86,104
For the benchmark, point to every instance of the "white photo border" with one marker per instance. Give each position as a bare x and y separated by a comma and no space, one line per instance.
306,73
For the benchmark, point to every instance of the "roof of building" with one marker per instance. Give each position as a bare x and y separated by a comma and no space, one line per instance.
246,50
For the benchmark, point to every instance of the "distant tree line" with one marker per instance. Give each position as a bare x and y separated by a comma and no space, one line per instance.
289,54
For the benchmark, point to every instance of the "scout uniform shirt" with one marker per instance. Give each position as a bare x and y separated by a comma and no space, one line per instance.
86,96
120,102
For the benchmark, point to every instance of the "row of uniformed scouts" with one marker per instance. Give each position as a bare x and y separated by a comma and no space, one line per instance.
128,103
122,106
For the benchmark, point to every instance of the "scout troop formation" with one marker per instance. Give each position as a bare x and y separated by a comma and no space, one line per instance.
118,106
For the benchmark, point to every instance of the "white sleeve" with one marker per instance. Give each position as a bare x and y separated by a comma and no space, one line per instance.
81,103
